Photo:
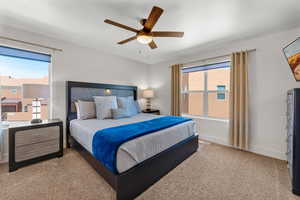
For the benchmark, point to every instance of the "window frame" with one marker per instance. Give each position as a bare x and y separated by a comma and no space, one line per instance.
205,95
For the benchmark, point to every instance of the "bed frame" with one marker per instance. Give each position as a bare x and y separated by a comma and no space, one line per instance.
131,183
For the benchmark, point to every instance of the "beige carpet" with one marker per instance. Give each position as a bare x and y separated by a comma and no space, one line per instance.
213,173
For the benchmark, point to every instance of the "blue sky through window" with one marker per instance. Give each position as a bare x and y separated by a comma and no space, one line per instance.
22,68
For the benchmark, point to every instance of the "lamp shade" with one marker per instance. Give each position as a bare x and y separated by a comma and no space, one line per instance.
35,91
149,93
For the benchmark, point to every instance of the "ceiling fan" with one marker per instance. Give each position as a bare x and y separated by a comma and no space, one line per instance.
146,35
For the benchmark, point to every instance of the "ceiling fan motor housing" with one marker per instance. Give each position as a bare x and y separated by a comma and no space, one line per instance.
143,21
143,33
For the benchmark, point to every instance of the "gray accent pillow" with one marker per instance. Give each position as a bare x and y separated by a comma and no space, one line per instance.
129,104
104,105
119,113
85,109
138,107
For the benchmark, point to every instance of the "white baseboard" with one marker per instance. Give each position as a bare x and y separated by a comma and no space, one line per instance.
268,152
4,159
253,148
213,139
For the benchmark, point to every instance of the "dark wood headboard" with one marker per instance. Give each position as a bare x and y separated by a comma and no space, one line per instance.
86,91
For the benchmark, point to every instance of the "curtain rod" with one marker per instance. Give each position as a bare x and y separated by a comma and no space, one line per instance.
205,59
30,43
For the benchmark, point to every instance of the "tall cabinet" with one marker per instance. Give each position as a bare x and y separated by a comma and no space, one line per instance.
293,138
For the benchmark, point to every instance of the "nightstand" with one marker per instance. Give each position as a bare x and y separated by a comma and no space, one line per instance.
152,111
31,143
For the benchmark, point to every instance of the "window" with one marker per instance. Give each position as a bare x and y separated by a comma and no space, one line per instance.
14,91
20,68
205,91
221,92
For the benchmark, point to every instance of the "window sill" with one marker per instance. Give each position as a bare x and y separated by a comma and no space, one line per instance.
206,118
3,126
6,124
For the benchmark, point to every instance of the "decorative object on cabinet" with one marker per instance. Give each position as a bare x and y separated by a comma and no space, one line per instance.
35,92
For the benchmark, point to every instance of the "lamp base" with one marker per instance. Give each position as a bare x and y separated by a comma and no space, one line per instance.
36,121
148,104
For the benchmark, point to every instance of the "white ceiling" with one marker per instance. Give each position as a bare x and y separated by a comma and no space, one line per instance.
203,21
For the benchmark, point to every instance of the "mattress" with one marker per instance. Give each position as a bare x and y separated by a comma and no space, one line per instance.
137,150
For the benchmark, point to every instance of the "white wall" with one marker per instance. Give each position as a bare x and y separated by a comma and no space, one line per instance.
77,63
269,80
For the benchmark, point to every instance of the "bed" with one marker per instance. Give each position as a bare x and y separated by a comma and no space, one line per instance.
139,162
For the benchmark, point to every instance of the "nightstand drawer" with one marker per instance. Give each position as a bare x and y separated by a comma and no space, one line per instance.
33,136
26,152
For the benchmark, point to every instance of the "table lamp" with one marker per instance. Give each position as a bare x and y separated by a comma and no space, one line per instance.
148,94
35,92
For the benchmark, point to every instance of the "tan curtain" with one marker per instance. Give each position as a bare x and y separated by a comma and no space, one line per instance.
238,131
175,82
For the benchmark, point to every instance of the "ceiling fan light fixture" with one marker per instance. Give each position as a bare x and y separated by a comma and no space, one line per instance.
144,39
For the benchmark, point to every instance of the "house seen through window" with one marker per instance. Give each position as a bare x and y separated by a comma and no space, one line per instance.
205,90
19,69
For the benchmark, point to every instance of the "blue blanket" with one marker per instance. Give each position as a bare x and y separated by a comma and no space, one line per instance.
107,141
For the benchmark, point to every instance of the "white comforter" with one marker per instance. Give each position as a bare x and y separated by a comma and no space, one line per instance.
137,150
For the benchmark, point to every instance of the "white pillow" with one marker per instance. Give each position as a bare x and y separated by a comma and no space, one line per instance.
104,105
85,109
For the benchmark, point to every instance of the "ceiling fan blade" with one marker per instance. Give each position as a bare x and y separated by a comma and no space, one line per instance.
167,34
153,17
121,25
127,40
152,45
